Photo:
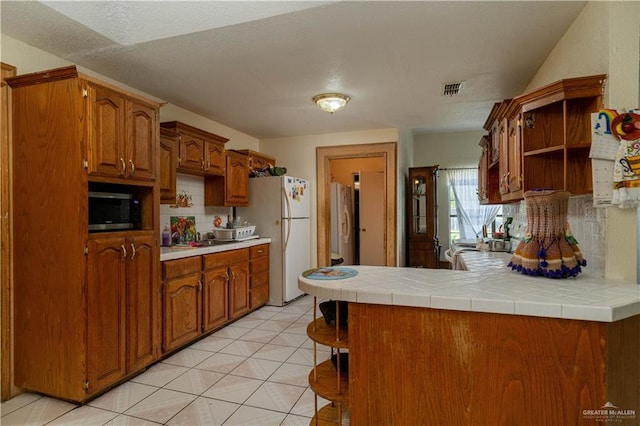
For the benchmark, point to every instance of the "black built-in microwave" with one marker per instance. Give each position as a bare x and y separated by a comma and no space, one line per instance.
110,211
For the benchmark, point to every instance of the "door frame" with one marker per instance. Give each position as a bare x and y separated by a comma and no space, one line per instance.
7,388
324,155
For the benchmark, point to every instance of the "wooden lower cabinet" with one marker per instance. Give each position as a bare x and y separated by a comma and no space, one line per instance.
259,276
239,290
215,298
123,308
417,366
236,264
203,293
106,312
182,301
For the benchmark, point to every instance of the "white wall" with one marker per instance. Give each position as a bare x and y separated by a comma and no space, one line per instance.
605,38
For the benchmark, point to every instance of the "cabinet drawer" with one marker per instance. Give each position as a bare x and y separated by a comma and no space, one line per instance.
260,280
180,267
225,258
259,265
259,296
259,251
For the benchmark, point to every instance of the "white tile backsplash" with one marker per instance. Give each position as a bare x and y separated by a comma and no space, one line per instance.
204,215
589,230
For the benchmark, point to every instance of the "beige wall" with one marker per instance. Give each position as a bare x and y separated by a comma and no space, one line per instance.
605,38
448,150
298,155
29,59
342,170
455,149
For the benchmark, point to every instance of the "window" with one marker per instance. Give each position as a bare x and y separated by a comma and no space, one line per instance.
466,215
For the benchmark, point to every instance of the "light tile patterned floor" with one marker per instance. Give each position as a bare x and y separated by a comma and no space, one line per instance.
252,372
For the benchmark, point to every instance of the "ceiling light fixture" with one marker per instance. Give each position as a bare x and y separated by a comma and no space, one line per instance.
331,102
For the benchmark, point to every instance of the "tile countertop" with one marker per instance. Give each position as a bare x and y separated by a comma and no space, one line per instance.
172,253
487,286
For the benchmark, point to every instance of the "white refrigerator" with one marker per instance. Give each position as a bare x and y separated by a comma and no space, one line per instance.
279,207
342,225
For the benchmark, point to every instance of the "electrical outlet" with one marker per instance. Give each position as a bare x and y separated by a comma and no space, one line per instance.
589,212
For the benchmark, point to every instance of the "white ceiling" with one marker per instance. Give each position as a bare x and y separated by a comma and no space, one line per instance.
254,66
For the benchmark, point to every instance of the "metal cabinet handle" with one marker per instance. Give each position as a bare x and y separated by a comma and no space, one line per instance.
199,285
227,275
133,251
124,166
233,276
132,166
124,251
203,164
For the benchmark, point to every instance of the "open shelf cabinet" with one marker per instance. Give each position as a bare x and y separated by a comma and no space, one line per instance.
326,380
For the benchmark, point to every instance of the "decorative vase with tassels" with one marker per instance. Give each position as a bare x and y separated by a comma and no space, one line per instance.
548,248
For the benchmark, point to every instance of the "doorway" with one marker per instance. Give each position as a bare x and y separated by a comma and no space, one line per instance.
324,157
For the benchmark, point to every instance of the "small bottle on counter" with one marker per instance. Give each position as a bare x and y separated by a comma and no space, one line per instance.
166,237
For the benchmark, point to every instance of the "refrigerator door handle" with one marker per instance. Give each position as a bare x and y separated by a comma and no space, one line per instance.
286,241
347,234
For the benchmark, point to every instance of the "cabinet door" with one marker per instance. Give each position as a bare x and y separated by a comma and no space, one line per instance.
168,166
142,141
238,289
504,158
483,167
237,180
106,312
143,302
191,153
106,128
214,158
215,298
514,176
182,315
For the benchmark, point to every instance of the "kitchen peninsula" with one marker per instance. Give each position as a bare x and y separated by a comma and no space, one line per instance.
486,346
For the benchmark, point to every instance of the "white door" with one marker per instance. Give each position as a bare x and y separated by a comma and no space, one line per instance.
372,218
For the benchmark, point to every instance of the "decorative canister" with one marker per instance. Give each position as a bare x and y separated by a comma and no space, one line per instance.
548,248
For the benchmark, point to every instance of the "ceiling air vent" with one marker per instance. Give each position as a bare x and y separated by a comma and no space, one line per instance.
450,89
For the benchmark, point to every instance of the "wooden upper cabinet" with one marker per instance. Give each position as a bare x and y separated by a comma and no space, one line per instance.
107,115
232,189
237,179
214,156
142,141
544,138
258,160
200,152
122,135
191,153
168,165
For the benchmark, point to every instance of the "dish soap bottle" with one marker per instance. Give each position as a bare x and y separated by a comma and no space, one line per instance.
166,237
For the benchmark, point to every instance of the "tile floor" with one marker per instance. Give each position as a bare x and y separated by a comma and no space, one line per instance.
252,372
